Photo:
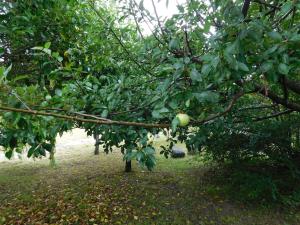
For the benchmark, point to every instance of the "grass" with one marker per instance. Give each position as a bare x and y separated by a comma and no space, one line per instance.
84,189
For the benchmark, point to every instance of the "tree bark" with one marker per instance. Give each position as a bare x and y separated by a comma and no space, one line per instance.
52,153
275,98
96,137
128,166
293,85
246,7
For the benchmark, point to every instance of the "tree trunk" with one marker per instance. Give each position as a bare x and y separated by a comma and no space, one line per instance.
96,137
52,152
128,166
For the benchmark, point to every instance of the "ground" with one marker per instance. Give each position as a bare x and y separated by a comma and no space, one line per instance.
88,189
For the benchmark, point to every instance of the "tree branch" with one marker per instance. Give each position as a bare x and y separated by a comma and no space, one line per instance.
262,2
284,17
103,121
267,117
275,98
245,8
257,107
227,110
95,121
157,18
273,115
121,43
292,85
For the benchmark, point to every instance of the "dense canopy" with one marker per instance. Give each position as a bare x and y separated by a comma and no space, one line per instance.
231,66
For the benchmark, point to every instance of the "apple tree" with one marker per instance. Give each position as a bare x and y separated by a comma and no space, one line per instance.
228,69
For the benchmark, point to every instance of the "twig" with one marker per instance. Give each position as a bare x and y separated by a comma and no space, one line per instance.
267,117
121,43
157,18
266,4
227,110
283,17
257,107
17,96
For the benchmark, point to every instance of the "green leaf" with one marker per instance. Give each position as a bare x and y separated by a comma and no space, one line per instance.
48,147
7,70
31,151
47,51
141,5
2,69
206,69
41,151
295,37
195,75
22,77
1,51
104,113
207,26
174,44
175,123
283,69
156,114
58,92
243,67
38,48
286,7
159,113
149,150
139,155
266,66
275,35
9,154
207,97
270,51
47,45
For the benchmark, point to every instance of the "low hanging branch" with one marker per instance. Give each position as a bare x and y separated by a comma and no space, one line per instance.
103,121
74,118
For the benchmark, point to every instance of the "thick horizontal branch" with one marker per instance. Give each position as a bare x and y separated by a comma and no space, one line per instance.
272,96
95,121
103,121
275,98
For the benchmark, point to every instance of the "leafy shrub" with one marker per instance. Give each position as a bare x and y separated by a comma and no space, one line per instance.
262,159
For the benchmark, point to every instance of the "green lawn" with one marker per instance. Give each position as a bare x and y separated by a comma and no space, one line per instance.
84,189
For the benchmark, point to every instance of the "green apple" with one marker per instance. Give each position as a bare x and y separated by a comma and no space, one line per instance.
183,118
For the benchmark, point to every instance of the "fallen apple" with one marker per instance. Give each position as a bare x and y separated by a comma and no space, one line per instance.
183,118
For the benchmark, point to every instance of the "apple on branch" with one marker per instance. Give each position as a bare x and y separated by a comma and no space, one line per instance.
183,118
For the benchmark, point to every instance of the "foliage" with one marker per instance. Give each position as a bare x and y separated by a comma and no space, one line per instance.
257,183
227,64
